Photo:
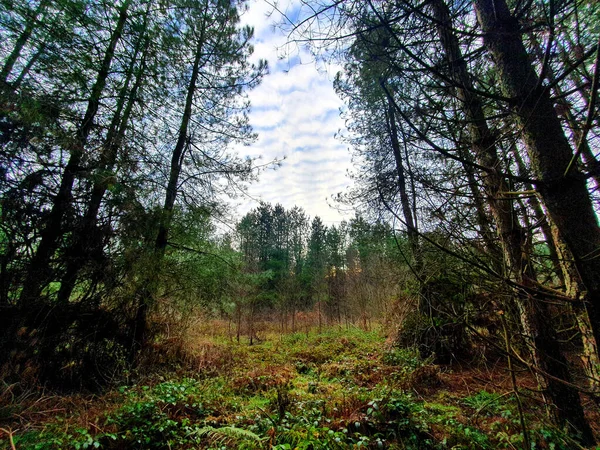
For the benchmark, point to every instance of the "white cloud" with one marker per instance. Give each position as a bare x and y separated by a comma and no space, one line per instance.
295,112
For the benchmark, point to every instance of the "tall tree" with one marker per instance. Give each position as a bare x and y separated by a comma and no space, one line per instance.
87,239
38,274
534,313
212,115
560,184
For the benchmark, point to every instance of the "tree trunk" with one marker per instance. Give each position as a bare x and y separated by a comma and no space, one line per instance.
534,315
39,273
80,253
581,83
564,109
574,289
494,252
540,218
238,309
564,266
565,196
410,223
20,43
293,318
19,80
148,290
177,156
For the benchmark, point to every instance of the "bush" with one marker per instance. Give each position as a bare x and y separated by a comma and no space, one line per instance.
441,339
67,347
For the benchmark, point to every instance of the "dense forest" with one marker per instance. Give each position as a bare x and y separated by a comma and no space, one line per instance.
458,307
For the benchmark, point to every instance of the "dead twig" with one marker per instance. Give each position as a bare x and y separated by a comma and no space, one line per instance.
9,433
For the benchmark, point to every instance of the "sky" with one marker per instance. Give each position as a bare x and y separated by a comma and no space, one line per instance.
296,114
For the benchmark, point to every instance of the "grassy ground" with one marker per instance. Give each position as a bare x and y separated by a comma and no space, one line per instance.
339,389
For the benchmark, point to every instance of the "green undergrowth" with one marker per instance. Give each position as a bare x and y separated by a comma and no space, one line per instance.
340,389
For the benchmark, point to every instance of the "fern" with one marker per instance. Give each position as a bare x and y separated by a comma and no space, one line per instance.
292,437
227,435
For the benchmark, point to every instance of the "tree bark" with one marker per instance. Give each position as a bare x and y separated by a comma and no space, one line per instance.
564,266
565,195
564,109
15,85
492,247
540,218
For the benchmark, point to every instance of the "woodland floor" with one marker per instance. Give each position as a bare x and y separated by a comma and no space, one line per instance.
338,389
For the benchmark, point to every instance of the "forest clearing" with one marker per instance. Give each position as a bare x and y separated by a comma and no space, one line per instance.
299,224
341,388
